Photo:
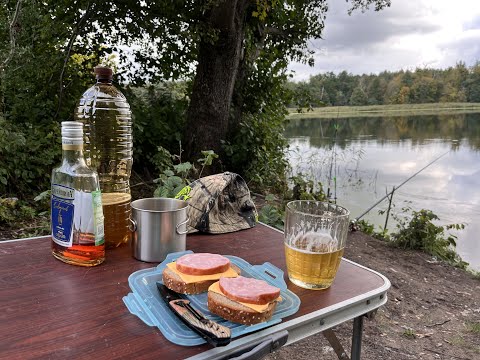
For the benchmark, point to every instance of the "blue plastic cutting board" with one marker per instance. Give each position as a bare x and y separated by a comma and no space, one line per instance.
145,302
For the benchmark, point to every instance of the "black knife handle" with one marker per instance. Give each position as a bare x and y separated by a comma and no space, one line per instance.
215,334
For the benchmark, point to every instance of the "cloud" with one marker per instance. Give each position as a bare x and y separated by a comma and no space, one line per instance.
364,30
466,47
409,34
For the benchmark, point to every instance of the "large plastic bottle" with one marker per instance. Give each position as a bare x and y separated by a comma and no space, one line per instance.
107,120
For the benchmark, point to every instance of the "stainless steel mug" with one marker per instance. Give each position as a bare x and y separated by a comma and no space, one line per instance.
159,227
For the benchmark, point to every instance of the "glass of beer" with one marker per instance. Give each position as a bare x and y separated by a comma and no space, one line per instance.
315,237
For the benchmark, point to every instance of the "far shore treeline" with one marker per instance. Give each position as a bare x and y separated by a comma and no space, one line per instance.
455,84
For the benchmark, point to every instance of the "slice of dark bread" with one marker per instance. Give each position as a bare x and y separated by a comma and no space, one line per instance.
175,283
233,311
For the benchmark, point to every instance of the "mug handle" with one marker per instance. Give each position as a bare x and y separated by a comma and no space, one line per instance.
180,224
133,225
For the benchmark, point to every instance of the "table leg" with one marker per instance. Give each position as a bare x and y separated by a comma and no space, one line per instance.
335,344
357,337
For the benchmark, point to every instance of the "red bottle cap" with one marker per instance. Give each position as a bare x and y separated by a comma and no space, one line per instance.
103,73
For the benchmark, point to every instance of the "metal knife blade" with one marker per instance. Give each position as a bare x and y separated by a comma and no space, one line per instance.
215,334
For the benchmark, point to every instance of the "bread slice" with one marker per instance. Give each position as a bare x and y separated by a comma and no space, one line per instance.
175,283
233,311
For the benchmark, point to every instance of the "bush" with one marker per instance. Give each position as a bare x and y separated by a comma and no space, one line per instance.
271,213
28,155
420,233
158,121
11,209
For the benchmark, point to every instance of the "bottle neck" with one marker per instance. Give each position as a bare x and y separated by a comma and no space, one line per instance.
72,153
104,81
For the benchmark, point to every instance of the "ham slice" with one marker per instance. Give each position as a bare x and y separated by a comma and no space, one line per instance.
248,290
202,264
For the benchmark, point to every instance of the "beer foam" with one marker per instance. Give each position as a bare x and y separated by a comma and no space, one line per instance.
315,242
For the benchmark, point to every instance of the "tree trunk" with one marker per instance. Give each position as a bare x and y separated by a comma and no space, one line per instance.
218,62
238,96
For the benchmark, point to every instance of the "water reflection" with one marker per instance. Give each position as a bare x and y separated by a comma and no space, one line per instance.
371,155
417,129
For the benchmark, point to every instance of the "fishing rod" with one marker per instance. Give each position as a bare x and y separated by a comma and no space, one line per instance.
333,166
333,163
395,188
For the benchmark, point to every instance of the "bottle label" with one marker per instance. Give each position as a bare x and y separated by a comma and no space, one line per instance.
98,218
72,143
63,211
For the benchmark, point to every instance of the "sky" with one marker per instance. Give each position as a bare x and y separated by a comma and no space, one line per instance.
410,34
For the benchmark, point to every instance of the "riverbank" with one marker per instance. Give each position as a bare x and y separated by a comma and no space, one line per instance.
385,110
432,312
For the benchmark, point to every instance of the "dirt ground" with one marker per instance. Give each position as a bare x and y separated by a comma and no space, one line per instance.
433,310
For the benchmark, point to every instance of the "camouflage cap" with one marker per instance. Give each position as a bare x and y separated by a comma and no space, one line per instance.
219,204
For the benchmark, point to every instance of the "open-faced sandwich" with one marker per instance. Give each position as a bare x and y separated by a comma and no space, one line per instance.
243,300
194,273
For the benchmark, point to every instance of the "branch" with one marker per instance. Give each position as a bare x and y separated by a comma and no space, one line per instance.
67,56
13,32
438,324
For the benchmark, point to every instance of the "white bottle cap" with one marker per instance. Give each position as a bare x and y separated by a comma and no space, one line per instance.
72,133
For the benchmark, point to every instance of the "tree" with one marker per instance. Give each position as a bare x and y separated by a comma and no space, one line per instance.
233,43
269,33
376,91
472,84
237,52
358,97
425,89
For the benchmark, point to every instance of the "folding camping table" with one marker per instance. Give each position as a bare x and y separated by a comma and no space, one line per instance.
58,311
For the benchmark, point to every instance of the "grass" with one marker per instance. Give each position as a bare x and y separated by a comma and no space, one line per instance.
458,341
473,327
409,334
475,274
329,112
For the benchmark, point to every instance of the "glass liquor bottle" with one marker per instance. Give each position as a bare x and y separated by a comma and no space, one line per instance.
76,205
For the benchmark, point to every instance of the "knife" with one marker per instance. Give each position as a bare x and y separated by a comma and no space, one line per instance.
215,334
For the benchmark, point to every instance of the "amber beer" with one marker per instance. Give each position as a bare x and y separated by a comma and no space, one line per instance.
116,209
313,260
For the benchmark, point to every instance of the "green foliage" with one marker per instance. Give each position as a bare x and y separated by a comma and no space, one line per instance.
207,160
257,152
365,227
359,97
420,233
42,75
409,334
175,177
11,209
306,189
170,185
417,231
23,219
271,213
256,146
300,188
28,154
158,120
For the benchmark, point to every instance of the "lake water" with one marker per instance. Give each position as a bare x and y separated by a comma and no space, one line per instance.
368,156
